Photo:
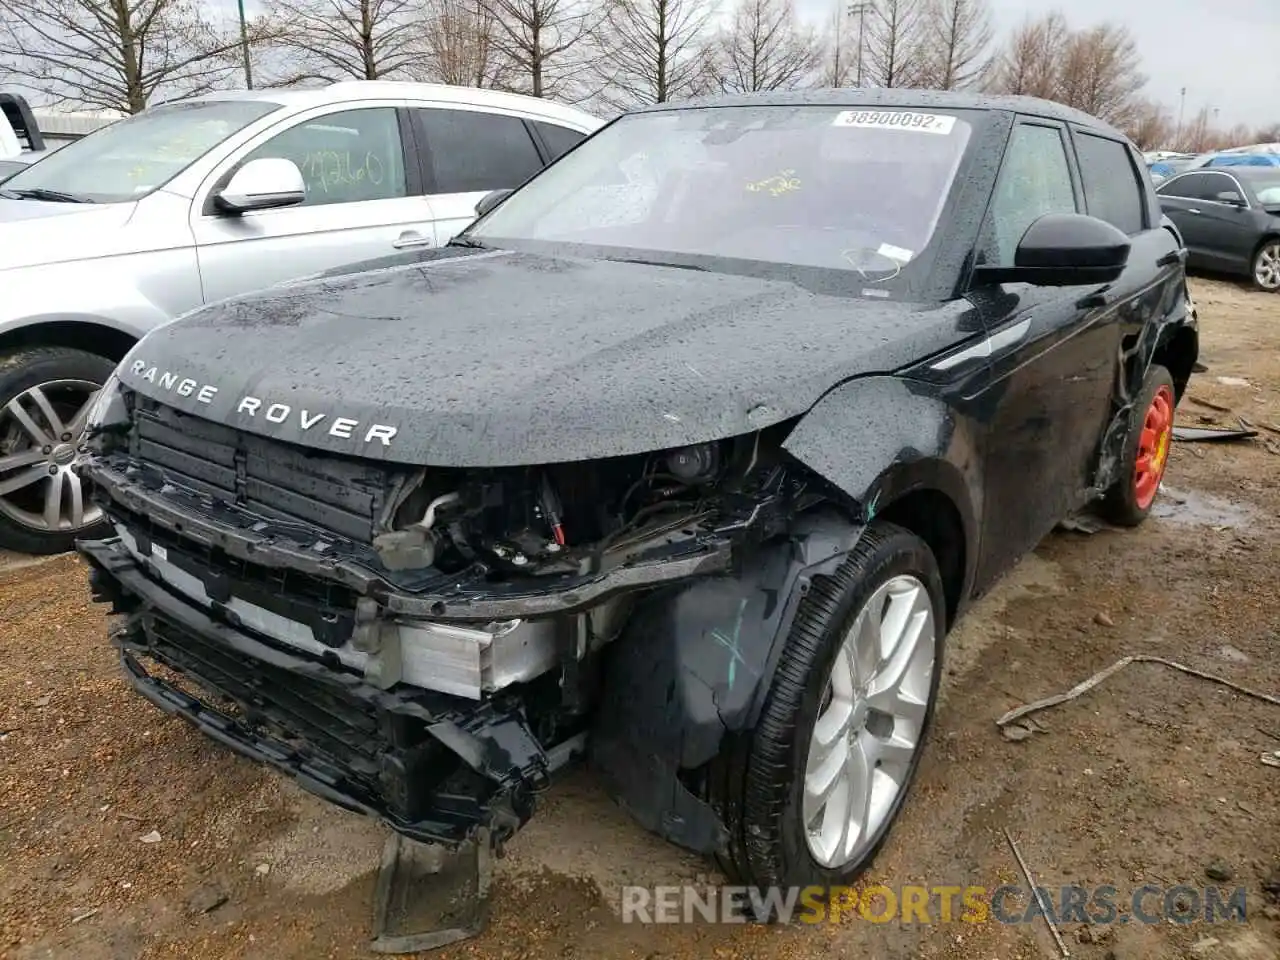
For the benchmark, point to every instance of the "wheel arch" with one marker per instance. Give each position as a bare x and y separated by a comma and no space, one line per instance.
892,450
78,332
1177,352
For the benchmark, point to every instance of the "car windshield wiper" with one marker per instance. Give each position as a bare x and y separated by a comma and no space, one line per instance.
40,193
466,242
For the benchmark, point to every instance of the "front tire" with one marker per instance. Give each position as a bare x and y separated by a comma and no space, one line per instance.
1266,266
45,395
810,794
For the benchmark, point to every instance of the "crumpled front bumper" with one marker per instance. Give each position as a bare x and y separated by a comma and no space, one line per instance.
436,768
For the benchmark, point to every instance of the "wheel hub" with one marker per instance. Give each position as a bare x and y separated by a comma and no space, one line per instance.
64,454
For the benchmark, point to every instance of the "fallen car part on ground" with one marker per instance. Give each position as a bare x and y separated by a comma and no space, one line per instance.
1212,435
428,896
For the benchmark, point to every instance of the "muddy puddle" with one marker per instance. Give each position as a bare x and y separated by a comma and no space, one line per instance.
1192,508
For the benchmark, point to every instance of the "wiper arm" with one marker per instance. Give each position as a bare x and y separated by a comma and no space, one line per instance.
466,242
40,193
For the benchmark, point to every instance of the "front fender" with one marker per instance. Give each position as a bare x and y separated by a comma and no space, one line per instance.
877,439
693,666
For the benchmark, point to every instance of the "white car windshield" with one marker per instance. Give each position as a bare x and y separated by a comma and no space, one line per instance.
133,157
811,186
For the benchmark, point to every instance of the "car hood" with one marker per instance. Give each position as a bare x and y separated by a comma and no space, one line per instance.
499,358
35,232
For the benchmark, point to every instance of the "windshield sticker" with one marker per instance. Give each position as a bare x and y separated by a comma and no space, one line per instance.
880,120
776,185
895,253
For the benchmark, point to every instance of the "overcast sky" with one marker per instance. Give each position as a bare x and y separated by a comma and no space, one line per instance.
1225,52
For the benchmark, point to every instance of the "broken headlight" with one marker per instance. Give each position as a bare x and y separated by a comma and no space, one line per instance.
109,408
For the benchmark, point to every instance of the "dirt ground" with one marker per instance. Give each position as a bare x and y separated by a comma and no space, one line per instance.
1153,777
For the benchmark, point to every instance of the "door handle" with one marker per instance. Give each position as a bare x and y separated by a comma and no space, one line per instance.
1169,259
411,239
1195,210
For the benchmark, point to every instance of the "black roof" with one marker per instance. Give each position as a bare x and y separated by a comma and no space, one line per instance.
893,97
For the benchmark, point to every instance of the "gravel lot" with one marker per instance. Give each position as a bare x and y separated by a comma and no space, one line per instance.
1154,777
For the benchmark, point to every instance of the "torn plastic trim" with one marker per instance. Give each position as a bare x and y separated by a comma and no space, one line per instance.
492,741
259,541
695,666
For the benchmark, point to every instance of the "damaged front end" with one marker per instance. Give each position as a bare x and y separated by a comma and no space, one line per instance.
428,645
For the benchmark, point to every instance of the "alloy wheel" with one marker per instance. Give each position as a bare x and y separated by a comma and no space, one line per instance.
1266,268
870,723
42,433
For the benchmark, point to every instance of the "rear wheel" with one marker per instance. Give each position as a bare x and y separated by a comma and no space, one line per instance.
1266,266
1146,452
810,794
45,395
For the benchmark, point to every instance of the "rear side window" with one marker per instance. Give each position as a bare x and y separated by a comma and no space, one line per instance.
559,140
1112,191
472,152
1193,186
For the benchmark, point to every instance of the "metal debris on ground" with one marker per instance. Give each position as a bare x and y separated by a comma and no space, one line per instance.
1214,435
1087,685
1037,893
428,896
152,837
84,915
1082,523
1271,759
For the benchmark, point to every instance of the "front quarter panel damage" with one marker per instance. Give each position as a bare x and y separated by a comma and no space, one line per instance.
876,439
693,667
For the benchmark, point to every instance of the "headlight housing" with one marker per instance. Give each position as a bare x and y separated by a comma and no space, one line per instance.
109,409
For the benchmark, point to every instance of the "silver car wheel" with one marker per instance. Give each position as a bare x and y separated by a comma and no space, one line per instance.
1266,268
870,722
42,432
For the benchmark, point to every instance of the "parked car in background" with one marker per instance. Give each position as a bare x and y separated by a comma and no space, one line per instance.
202,199
1229,219
21,142
786,382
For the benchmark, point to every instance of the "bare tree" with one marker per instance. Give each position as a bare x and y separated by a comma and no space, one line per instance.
1100,73
956,44
838,61
764,48
1150,126
1267,134
1197,135
115,54
460,47
894,52
537,37
345,39
654,50
1031,64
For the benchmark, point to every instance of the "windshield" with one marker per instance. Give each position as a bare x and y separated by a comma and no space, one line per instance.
1268,190
132,157
807,186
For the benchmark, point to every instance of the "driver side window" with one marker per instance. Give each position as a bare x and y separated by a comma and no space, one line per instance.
1035,180
344,157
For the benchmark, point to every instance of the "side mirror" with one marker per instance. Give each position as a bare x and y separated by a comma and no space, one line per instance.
1064,250
262,184
1231,198
491,200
